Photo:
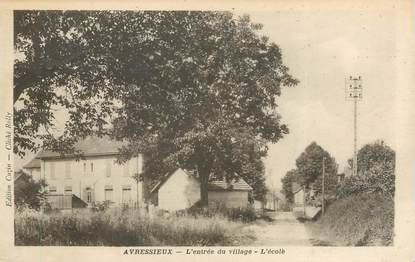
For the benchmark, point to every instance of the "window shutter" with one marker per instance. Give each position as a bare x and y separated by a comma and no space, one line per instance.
52,189
68,190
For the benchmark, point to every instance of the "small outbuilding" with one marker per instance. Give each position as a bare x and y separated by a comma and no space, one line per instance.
180,189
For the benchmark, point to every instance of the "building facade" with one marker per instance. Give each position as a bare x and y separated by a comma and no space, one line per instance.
180,189
96,176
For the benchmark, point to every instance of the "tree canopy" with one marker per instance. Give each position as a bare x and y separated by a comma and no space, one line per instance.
310,163
193,89
374,155
376,171
309,171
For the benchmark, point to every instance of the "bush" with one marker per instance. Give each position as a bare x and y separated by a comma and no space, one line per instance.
376,181
358,220
124,228
101,206
29,193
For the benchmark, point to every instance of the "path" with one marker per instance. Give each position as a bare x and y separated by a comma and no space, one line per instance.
284,230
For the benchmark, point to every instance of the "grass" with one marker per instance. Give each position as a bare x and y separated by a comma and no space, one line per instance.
359,220
116,227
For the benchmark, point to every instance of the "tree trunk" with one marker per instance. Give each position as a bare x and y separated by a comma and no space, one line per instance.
204,180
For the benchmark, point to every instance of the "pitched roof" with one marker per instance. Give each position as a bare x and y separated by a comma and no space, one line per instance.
34,163
216,185
17,175
235,184
90,146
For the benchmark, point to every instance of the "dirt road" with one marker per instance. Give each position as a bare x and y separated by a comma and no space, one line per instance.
284,230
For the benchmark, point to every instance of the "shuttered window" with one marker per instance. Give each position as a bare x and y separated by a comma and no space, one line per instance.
126,194
52,190
108,193
68,190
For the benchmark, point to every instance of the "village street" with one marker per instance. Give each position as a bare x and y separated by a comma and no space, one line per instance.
284,230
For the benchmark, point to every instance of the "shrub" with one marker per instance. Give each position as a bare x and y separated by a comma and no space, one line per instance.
376,181
101,206
28,192
358,220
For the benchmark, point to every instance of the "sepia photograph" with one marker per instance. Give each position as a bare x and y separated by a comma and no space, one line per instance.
205,128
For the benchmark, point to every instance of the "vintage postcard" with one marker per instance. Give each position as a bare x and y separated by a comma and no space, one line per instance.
269,130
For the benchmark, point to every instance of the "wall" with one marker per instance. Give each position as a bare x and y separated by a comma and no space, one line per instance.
231,199
96,173
180,191
299,198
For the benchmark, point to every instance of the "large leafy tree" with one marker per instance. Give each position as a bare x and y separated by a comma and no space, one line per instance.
310,164
287,184
193,89
61,61
309,172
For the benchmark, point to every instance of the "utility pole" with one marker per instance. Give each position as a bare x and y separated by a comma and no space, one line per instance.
354,92
304,199
322,186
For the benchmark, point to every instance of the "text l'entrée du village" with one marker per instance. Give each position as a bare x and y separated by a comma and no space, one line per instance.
204,251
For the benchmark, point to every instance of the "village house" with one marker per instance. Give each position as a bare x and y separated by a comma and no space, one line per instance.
180,189
299,195
273,201
95,177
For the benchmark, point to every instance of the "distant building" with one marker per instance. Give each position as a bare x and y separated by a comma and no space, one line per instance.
97,177
299,194
180,189
273,201
348,172
33,168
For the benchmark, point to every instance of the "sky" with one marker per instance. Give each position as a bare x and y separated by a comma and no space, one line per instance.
321,49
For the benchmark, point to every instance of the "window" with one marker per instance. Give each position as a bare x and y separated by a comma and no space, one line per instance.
92,168
68,190
108,167
126,194
68,170
52,190
108,193
84,168
52,170
89,195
